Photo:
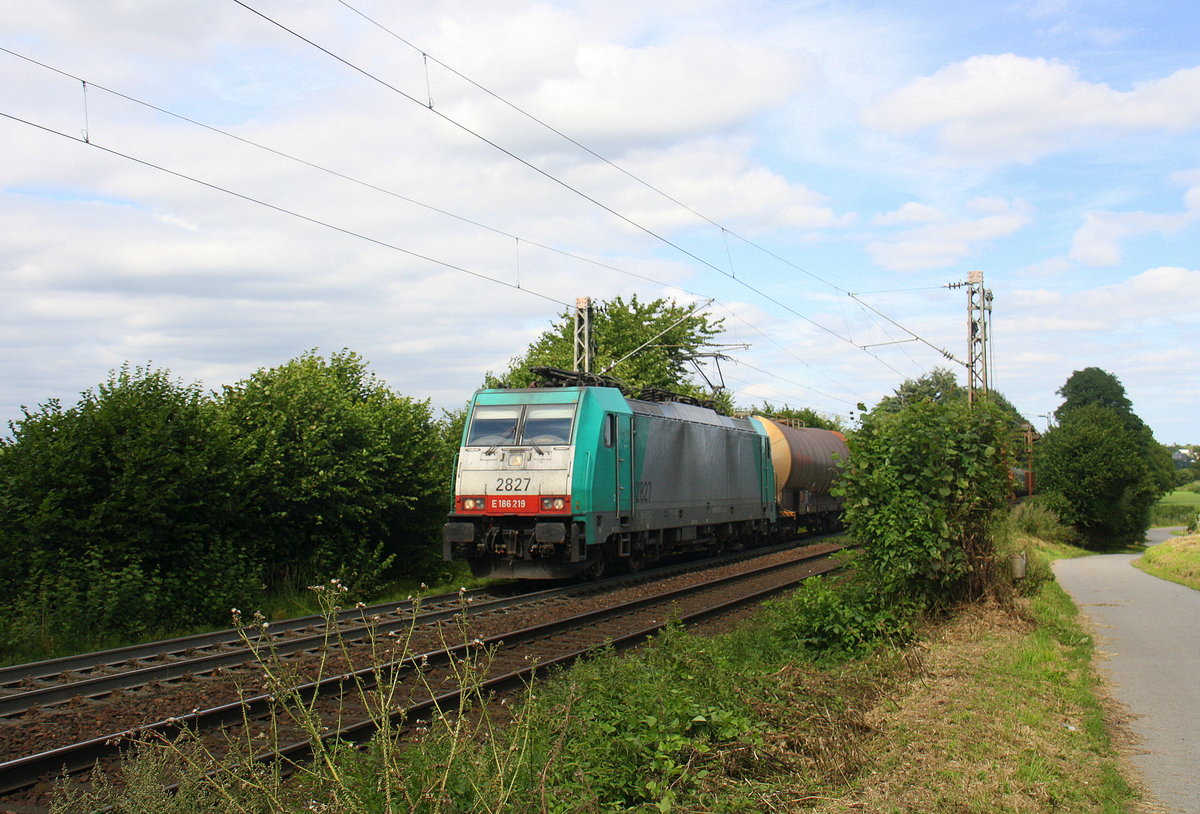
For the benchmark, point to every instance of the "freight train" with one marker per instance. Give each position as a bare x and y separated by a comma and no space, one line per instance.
555,482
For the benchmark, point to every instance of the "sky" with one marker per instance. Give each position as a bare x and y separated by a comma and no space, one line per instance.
217,186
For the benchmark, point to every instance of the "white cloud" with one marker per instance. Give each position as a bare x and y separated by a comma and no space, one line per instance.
1048,267
746,112
1152,298
1024,298
651,91
1009,107
716,178
1191,178
911,212
1159,293
611,88
1050,324
946,242
1098,241
1041,9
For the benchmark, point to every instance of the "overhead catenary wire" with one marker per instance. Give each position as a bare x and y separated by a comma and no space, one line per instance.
656,336
311,164
518,239
541,122
399,196
395,247
281,209
734,314
449,119
780,398
344,230
899,290
744,389
548,175
340,175
918,337
884,331
725,232
742,363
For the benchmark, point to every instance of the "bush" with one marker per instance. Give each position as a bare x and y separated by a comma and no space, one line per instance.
921,491
151,507
826,621
1171,514
345,476
118,514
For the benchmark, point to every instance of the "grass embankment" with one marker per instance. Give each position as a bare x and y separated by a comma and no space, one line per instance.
1177,508
993,710
1177,560
1004,717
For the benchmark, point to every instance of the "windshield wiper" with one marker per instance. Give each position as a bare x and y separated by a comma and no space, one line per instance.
492,449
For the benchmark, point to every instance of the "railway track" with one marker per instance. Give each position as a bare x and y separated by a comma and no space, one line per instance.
93,675
421,679
25,687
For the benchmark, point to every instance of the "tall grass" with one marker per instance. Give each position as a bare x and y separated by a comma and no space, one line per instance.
1194,486
1177,560
1036,520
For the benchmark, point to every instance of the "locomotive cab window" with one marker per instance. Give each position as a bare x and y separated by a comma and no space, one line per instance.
511,424
494,424
548,423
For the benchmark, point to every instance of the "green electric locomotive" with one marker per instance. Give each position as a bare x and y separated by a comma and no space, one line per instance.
553,482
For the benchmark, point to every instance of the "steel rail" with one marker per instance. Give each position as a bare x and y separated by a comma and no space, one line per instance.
361,731
26,771
355,620
83,662
101,685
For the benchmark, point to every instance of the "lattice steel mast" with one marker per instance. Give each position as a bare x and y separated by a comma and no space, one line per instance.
583,334
979,321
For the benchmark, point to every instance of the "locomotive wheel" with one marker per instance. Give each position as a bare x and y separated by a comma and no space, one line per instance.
598,569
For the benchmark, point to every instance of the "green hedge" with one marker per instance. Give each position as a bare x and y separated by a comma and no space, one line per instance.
153,506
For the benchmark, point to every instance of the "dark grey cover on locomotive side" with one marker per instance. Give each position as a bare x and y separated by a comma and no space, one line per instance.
695,467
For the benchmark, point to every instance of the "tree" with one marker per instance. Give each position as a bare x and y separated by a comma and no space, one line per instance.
119,514
1097,473
344,474
939,386
672,335
803,416
1093,386
1187,474
1101,468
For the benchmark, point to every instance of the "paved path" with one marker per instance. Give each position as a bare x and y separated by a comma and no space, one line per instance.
1148,633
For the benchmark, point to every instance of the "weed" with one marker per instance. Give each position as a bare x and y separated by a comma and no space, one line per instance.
994,709
1036,519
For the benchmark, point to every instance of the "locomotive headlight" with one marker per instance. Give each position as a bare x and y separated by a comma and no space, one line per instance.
472,503
553,503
